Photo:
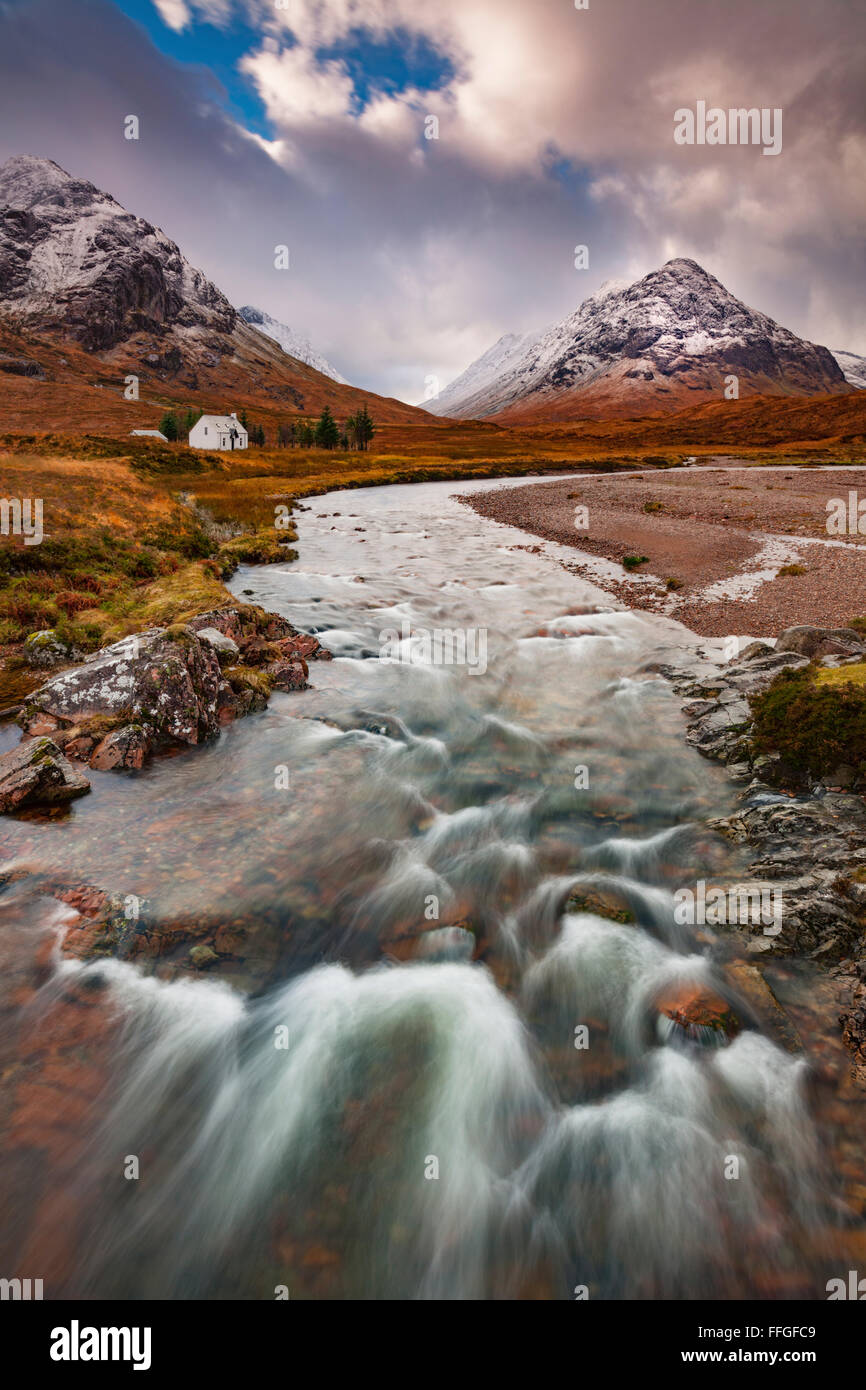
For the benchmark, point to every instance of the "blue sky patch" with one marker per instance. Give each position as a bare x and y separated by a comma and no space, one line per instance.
220,50
389,65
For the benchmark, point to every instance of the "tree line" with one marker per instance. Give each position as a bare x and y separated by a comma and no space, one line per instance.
325,433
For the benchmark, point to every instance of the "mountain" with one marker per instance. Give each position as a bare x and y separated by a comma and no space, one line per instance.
291,342
663,343
76,268
854,368
483,373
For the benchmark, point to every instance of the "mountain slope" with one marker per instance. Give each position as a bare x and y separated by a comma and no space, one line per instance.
290,342
76,267
854,368
483,373
659,345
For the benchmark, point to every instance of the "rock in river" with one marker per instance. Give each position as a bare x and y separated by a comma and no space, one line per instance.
164,679
36,773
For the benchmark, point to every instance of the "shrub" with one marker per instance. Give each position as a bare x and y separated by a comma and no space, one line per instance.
73,601
631,562
815,725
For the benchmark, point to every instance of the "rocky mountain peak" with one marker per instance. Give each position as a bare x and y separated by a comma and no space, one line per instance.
73,260
674,336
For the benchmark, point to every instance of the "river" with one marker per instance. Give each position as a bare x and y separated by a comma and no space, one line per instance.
415,1071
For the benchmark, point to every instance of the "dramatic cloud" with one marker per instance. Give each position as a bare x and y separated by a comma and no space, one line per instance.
555,128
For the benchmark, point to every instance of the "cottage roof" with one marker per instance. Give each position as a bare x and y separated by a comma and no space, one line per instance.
221,422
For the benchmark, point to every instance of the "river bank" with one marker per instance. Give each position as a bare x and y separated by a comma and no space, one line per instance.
724,549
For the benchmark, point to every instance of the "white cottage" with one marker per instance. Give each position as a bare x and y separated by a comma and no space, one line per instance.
218,432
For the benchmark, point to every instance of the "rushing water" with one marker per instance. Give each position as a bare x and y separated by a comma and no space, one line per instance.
379,1092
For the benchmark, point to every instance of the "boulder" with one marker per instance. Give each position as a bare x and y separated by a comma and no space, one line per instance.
753,651
165,679
36,773
821,641
694,1011
288,675
45,648
226,621
125,747
225,647
304,645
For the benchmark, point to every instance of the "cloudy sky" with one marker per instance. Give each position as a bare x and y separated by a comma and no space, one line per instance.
302,122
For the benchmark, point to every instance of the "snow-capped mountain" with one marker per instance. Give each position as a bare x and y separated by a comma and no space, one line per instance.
482,373
854,368
77,269
665,342
289,341
72,259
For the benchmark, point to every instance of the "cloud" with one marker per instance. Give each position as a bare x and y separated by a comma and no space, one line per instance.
555,128
299,92
175,13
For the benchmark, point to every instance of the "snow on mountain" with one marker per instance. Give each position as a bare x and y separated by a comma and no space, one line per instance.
75,266
73,259
291,342
482,373
669,340
854,368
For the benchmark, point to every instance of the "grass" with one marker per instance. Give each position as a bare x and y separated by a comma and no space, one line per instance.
842,675
631,562
791,570
815,717
124,549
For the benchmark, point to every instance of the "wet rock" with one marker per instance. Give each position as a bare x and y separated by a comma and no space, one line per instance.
164,679
811,852
289,675
843,776
250,688
697,1013
815,642
810,849
601,902
36,773
306,646
126,747
750,985
445,943
202,956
